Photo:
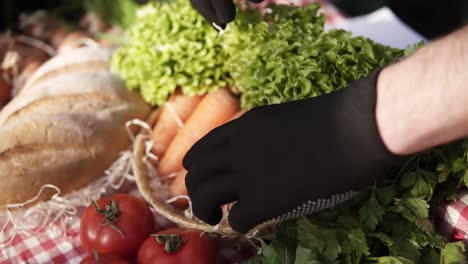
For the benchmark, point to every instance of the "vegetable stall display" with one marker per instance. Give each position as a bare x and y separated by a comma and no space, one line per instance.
280,56
66,123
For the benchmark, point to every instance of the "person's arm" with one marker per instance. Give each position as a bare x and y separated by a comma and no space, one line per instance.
422,101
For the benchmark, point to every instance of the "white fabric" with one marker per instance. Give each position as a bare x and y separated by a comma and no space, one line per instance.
382,26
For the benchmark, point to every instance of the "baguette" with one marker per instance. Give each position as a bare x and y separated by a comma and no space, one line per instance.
66,126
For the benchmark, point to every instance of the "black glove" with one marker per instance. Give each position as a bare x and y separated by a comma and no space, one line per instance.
219,12
287,160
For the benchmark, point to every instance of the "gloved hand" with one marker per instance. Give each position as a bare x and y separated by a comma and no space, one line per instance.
220,12
287,160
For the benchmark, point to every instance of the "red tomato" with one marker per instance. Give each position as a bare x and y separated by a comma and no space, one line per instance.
127,224
177,246
104,259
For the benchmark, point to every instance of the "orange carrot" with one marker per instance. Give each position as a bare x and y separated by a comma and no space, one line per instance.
238,114
178,188
215,109
178,185
179,107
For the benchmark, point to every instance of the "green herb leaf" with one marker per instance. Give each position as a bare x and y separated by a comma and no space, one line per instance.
458,165
371,213
383,238
307,256
324,241
408,179
355,243
393,260
431,257
412,208
404,248
421,187
453,253
276,253
444,172
386,195
465,178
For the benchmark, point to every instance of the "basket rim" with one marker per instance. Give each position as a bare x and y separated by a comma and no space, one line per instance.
143,181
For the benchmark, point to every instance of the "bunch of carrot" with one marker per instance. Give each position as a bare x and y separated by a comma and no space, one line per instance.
182,122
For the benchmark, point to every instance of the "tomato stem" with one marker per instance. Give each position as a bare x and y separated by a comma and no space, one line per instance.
172,242
110,213
96,256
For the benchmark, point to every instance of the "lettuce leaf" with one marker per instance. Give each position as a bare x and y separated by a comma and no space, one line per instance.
287,55
278,57
170,45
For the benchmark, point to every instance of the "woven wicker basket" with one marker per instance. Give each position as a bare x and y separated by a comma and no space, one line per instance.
144,179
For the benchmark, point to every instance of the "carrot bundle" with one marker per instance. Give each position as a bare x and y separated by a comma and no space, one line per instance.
238,114
180,107
178,187
215,109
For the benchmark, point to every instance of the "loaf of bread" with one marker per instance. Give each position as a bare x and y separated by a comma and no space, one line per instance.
66,126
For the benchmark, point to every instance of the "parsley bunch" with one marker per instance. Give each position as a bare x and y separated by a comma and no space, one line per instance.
392,222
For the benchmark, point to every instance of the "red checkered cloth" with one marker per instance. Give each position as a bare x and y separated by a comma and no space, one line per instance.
51,245
44,247
452,219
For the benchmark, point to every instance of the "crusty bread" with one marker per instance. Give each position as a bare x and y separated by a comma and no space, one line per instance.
66,126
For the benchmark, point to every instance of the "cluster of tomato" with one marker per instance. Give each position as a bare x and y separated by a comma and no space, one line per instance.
121,229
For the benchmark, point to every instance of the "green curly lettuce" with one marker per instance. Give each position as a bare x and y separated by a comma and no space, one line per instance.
282,56
170,46
287,55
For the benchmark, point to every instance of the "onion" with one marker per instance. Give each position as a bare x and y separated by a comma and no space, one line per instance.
57,36
75,40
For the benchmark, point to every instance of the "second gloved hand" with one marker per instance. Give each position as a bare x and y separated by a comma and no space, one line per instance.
220,12
287,160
